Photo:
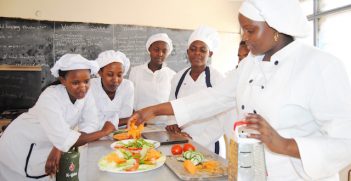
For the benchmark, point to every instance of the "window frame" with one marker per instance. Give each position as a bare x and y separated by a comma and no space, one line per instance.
317,14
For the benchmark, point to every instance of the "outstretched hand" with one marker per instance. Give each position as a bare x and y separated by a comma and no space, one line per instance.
270,137
141,116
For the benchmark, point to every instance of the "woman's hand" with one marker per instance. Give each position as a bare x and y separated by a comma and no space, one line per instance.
148,113
108,128
174,128
270,137
53,161
185,135
141,116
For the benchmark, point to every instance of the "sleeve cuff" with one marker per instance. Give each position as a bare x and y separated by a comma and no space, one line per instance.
180,113
171,120
71,138
323,157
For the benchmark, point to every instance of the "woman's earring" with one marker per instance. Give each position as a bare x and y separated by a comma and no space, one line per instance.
276,36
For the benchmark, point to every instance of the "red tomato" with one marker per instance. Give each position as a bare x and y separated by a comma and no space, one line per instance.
177,150
188,146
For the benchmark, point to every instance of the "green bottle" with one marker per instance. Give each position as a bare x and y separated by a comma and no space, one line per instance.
69,166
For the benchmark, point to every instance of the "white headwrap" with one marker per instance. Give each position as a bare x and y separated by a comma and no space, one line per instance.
160,37
286,16
111,56
207,35
73,62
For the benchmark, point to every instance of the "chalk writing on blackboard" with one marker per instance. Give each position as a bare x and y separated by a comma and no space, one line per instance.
32,42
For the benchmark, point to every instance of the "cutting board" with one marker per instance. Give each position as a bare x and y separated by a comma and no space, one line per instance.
165,138
178,169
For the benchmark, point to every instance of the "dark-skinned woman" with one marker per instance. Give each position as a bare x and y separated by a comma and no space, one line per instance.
296,96
202,43
31,146
114,95
152,80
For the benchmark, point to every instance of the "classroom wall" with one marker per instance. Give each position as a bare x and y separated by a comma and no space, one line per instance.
181,14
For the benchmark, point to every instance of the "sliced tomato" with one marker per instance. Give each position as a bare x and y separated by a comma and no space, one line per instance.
134,148
133,168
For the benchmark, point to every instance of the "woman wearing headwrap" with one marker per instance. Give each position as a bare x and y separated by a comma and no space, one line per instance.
203,42
152,80
31,146
296,96
113,94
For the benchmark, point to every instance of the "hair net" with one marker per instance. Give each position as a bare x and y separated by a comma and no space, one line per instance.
160,37
207,35
73,62
111,56
286,16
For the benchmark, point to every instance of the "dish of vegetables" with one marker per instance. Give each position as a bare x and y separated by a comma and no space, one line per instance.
132,156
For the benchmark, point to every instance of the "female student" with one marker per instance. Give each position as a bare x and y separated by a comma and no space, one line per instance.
296,96
201,45
31,146
152,80
113,95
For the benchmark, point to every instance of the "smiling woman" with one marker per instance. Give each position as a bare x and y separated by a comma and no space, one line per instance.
112,93
35,140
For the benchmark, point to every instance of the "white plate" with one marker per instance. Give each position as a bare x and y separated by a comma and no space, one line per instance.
155,143
161,161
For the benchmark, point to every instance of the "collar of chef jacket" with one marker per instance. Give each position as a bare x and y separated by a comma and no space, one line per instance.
146,68
266,97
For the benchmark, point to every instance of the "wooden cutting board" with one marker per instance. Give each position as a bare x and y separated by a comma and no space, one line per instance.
178,169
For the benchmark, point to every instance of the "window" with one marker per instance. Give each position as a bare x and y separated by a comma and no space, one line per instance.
330,21
325,5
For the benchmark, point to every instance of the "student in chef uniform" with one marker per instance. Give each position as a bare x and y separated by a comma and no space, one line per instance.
31,146
152,80
243,51
203,42
113,94
296,96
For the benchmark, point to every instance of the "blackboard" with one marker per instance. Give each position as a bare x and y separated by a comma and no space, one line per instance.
19,86
33,42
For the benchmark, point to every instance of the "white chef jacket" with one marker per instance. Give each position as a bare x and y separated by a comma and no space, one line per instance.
112,110
204,131
303,93
50,122
151,87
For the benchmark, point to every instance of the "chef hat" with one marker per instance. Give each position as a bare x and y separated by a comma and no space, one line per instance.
207,35
73,62
160,37
285,16
111,56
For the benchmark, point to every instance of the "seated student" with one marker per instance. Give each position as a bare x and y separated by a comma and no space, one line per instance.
152,80
201,45
31,146
113,95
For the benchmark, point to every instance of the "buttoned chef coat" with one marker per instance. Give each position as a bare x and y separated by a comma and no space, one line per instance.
151,88
303,93
121,106
50,122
